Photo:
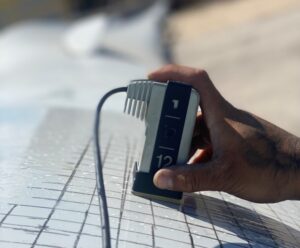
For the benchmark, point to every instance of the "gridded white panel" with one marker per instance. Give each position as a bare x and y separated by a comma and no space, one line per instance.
50,198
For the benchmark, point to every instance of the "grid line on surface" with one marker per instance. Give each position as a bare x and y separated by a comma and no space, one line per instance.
153,225
92,197
211,221
295,238
189,230
61,195
235,220
126,175
217,220
7,214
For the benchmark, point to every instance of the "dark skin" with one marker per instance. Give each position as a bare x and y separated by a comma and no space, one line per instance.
232,150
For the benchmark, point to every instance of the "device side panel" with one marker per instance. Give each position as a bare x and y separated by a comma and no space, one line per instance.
153,117
188,129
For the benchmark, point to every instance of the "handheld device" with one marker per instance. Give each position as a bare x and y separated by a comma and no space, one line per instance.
169,111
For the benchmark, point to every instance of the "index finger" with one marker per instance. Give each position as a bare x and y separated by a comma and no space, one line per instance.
211,100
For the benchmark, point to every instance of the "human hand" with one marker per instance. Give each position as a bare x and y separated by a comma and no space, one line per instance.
233,151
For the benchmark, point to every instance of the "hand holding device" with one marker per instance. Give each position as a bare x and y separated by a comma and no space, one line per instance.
236,151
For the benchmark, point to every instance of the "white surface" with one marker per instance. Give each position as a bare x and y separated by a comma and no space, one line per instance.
74,64
137,37
53,202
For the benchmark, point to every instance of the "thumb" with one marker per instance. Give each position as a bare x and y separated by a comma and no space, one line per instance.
190,178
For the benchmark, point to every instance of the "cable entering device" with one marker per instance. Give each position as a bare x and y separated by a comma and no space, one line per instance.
105,226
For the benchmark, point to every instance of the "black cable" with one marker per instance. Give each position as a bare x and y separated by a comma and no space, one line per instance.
105,227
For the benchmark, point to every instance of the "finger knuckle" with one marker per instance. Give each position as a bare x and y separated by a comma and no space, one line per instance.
191,183
200,73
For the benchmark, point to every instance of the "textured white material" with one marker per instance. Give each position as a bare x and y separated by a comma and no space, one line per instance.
85,37
48,193
137,37
73,64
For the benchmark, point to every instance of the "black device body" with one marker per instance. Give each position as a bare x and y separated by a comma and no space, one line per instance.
167,142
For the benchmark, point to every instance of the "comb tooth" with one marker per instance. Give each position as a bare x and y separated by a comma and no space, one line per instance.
144,103
128,97
140,98
136,93
132,86
147,99
149,96
126,101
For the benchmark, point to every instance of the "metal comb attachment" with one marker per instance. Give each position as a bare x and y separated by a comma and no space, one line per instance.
138,97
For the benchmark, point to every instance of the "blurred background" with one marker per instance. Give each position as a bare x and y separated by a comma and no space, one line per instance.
17,10
63,52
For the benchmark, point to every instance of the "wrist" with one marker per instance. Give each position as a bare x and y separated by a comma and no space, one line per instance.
296,159
292,189
287,162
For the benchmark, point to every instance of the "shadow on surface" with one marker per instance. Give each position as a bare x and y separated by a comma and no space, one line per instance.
231,220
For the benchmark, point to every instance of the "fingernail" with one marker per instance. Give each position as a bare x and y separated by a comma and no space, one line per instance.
163,182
